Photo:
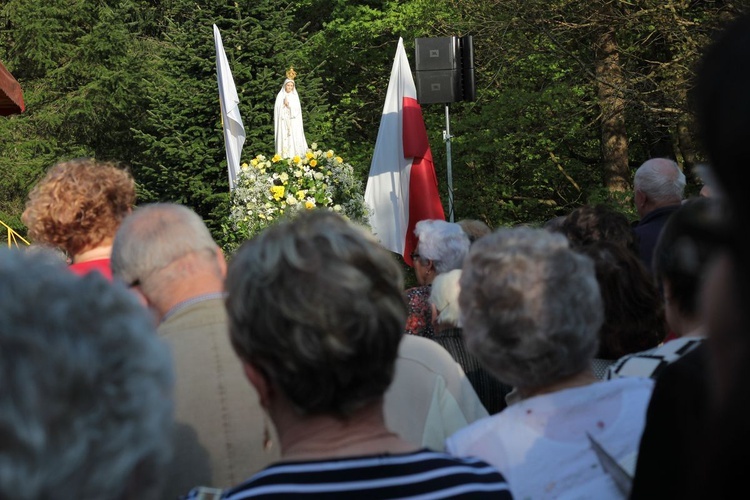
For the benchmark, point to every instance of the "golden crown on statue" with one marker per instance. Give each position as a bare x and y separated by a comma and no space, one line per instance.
291,73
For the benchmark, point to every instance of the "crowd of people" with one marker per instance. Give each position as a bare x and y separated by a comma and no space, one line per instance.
590,357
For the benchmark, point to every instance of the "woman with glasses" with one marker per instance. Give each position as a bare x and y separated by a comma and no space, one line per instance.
441,247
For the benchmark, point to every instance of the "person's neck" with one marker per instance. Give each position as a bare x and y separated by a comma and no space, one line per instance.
201,282
581,379
326,436
98,252
691,327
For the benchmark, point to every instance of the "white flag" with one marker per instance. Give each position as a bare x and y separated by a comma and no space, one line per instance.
401,188
234,131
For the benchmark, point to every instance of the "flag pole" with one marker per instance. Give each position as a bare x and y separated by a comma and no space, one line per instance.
449,172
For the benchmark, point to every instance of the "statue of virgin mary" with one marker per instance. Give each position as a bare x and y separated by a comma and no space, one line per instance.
287,117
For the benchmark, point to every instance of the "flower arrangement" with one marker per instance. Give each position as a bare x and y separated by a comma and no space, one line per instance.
267,190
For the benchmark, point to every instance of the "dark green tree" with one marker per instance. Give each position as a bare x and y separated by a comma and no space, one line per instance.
182,156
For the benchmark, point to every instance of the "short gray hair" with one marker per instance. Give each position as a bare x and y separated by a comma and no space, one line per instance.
661,179
444,243
530,306
86,386
318,306
154,236
444,296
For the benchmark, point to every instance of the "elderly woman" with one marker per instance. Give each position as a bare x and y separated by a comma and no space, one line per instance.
531,312
316,315
86,386
77,207
446,322
441,247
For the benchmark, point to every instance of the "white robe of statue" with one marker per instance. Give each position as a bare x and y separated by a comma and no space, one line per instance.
287,118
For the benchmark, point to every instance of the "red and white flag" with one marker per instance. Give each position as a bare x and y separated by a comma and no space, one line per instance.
402,186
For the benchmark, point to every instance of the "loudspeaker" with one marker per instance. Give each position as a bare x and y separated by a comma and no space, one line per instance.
445,69
469,86
439,86
435,54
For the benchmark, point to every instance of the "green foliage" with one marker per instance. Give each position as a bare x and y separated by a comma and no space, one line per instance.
135,81
270,189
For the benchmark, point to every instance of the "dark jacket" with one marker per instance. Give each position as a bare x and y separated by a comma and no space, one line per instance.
648,230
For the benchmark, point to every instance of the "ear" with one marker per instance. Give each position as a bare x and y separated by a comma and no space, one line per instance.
667,290
222,262
640,198
259,381
431,266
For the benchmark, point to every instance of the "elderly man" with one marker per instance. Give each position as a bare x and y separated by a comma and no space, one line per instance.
658,190
86,386
165,252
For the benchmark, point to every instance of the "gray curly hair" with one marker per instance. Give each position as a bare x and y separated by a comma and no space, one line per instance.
318,306
530,306
86,406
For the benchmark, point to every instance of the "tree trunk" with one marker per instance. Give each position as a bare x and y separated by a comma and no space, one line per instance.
610,89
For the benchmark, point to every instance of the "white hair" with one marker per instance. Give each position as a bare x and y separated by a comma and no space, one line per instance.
444,296
86,386
444,243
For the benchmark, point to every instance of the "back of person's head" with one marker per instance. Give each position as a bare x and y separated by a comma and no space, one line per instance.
444,296
474,228
591,223
317,306
444,243
79,204
633,308
156,235
555,224
662,180
530,306
682,257
86,386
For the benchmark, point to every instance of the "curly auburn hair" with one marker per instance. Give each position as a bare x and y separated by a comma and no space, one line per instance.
78,204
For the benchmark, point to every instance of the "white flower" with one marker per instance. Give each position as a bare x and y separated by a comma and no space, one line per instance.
331,183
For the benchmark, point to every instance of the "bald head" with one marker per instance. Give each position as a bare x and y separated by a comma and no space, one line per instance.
168,252
659,182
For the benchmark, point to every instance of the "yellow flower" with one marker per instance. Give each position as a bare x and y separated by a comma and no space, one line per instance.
276,158
309,155
254,162
301,194
296,159
339,159
278,192
244,166
309,204
329,153
313,163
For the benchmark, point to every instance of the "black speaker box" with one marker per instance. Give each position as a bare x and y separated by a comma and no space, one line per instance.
440,53
440,86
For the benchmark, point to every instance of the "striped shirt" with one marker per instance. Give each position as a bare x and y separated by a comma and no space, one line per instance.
650,363
423,474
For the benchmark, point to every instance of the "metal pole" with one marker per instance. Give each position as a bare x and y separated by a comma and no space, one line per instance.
447,139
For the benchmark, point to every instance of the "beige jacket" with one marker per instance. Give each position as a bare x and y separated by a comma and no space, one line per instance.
219,422
430,397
